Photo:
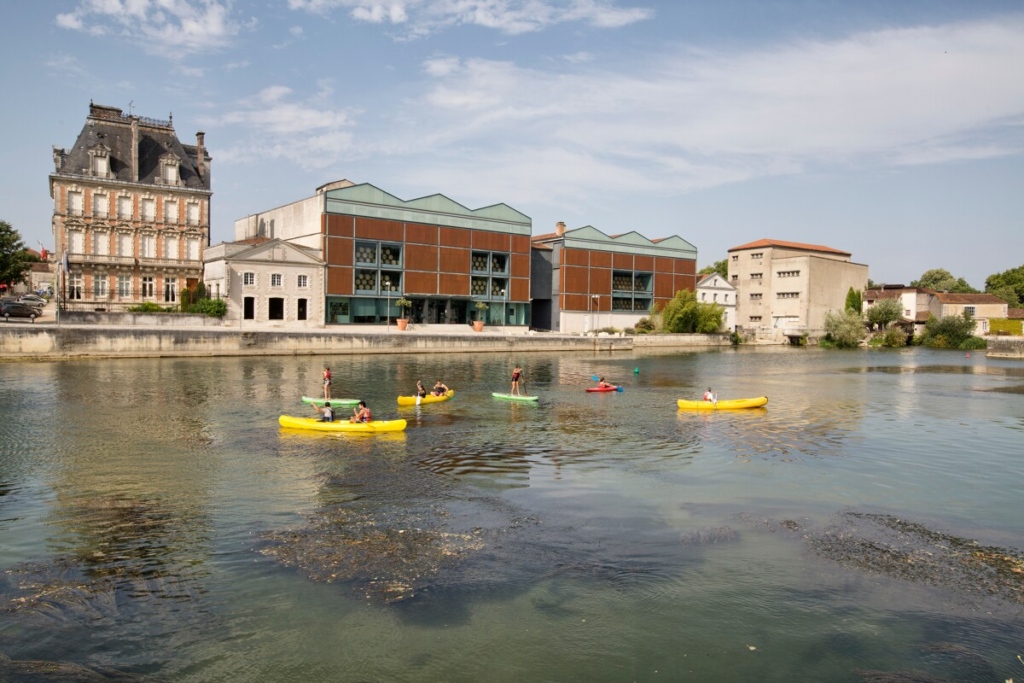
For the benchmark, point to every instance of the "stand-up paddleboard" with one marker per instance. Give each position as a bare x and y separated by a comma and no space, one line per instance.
510,397
333,401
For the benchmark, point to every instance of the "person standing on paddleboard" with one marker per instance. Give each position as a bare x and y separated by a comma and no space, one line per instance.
327,382
517,374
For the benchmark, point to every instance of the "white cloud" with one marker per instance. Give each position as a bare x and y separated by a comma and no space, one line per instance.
579,58
422,17
171,28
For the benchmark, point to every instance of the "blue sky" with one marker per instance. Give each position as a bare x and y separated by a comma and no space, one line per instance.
892,130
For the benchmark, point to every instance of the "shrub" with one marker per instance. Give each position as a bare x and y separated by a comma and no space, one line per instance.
948,332
148,307
893,337
644,324
972,343
844,330
215,308
683,314
1005,326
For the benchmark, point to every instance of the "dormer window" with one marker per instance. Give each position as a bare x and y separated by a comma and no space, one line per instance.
99,161
169,165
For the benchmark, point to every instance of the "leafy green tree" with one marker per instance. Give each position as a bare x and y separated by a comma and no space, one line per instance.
15,262
720,267
853,300
885,312
684,314
941,280
845,329
1000,284
951,332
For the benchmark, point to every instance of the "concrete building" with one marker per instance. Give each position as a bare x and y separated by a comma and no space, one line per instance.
586,280
785,289
267,281
715,289
131,211
434,252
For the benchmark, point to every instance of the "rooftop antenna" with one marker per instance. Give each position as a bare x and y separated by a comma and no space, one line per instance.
130,105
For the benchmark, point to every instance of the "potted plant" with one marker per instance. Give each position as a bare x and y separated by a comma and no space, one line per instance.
478,324
405,305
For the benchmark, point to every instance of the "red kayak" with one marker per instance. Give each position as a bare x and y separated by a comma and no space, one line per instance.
602,388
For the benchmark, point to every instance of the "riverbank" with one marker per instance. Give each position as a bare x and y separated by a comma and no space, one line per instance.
66,342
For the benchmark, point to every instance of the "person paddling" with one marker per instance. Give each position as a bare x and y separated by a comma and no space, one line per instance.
710,396
517,374
361,413
605,385
440,388
421,392
326,413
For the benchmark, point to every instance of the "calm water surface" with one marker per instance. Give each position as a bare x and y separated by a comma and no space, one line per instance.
156,520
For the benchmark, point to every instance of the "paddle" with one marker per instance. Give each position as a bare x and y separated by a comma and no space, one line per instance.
598,379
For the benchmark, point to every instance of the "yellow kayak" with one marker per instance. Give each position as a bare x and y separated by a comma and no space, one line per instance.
342,425
429,398
731,404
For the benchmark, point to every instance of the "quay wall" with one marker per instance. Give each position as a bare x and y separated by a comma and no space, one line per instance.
1002,347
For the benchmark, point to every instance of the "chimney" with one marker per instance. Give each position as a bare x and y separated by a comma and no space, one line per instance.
135,149
200,153
560,228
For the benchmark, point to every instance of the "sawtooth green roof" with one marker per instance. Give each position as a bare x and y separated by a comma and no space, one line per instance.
589,237
436,209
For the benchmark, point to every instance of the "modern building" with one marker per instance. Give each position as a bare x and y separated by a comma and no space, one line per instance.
131,211
586,280
267,281
785,289
715,289
452,263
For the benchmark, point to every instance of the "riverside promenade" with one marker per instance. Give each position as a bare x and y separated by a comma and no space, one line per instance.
83,336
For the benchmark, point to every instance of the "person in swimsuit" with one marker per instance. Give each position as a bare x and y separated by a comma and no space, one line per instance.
361,413
440,389
604,385
326,413
327,382
421,392
517,374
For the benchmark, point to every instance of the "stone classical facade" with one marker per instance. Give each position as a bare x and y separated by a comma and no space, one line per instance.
131,212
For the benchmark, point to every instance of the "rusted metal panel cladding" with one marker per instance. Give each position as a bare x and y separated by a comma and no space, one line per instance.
687,282
574,302
376,229
420,283
664,265
600,259
575,257
601,282
686,266
643,263
491,241
623,262
453,285
339,226
454,261
420,257
418,233
455,237
663,285
339,251
520,265
521,244
520,290
575,279
339,280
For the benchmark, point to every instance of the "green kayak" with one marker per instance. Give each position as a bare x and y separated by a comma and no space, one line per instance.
333,401
510,397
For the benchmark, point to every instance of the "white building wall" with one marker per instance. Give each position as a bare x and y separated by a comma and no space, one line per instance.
298,223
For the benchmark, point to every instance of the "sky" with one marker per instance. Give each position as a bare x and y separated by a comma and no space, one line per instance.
891,130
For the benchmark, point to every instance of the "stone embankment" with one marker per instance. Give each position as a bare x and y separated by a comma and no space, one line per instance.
1003,347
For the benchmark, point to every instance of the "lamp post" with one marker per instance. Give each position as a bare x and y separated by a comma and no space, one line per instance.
387,287
596,301
504,312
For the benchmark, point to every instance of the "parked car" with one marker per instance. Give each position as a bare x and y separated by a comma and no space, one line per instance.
17,309
32,299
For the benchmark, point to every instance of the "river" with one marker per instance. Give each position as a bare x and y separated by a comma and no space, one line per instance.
157,524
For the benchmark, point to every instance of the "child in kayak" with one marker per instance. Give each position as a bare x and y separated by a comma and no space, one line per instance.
440,389
326,413
361,413
421,392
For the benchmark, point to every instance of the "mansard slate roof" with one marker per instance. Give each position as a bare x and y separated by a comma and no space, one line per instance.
107,127
759,244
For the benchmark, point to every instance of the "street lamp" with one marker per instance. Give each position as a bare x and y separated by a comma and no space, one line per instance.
387,287
596,301
504,312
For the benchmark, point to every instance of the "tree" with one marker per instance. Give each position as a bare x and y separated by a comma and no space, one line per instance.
853,300
684,314
845,329
15,262
885,312
951,332
941,280
1000,284
720,267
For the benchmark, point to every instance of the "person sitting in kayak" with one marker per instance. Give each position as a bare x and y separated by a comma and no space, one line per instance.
361,413
421,391
709,396
517,374
326,413
440,389
605,385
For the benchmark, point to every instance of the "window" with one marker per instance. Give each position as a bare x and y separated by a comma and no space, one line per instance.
631,290
788,295
703,296
124,286
125,244
735,278
147,246
149,210
170,291
170,211
755,318
756,296
301,311
101,243
75,286
75,203
249,308
99,163
757,255
148,288
725,298
99,287
248,279
170,247
192,249
76,241
192,214
302,281
788,273
275,308
100,205
124,208
275,279
735,258
756,276
970,310
170,172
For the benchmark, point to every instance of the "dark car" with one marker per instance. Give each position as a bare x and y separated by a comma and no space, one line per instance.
16,309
